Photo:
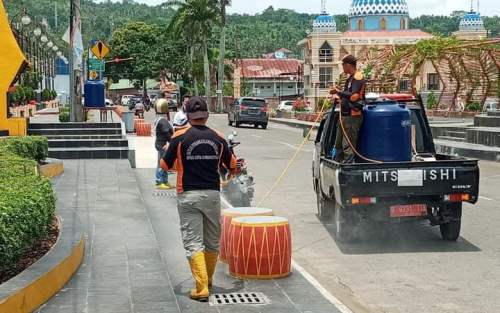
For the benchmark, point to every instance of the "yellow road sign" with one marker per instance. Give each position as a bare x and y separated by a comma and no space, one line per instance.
93,75
100,50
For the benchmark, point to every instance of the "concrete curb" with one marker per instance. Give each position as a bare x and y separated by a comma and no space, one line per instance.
53,168
46,277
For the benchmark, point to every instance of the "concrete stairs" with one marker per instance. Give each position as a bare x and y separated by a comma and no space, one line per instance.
482,140
83,140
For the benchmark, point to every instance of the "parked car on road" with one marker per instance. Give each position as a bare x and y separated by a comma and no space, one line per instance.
249,111
491,106
285,106
108,102
125,99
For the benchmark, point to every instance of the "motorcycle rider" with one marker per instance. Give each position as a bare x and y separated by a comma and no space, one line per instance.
164,132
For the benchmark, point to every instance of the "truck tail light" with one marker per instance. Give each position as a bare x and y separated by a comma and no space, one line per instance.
264,109
243,107
457,197
363,200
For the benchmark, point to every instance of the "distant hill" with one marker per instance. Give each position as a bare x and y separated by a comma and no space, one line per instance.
253,34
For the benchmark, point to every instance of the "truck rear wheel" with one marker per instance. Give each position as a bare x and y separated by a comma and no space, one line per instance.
451,231
325,207
344,231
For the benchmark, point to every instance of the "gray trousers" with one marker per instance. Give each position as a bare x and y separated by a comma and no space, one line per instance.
199,213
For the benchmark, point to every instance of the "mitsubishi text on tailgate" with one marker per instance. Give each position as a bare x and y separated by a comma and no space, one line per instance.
429,186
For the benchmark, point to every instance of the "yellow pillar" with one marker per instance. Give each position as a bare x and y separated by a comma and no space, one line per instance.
12,61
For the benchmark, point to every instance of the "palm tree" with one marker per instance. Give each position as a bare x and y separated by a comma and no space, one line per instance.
194,21
222,51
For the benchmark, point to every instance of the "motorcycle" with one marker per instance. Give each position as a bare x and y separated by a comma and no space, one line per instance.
237,189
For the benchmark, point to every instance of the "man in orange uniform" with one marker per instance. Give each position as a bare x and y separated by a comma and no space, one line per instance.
197,152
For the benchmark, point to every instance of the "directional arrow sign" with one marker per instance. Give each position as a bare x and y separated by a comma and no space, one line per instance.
100,50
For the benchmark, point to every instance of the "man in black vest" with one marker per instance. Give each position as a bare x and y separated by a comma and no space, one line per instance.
351,99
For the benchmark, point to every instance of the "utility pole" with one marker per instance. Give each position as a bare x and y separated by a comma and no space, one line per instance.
75,70
222,55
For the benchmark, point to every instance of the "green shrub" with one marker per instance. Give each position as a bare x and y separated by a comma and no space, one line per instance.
27,206
63,117
473,106
431,101
30,147
27,201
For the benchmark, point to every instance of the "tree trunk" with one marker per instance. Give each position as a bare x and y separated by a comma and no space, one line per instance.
222,55
144,90
193,74
206,69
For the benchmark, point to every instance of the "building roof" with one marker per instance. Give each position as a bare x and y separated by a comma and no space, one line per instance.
378,7
386,34
268,68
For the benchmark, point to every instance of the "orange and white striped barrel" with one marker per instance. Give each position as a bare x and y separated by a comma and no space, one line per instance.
261,247
143,129
227,216
137,121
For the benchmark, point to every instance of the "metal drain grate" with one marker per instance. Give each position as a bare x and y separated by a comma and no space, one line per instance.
166,194
238,298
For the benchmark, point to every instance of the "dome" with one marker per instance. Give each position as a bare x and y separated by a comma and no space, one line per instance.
378,7
324,23
471,21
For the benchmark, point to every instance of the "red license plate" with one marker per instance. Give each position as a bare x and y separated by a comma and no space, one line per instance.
408,210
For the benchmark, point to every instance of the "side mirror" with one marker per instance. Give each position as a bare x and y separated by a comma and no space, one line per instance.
235,133
230,137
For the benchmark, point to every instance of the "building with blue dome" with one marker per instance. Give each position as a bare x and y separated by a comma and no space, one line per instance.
372,15
471,27
324,23
372,24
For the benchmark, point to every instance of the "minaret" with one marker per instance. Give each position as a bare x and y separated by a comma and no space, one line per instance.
323,6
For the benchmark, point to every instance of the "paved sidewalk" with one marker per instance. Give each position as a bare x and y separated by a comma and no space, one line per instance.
134,261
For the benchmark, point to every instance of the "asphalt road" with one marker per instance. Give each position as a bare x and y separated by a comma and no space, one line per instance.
401,269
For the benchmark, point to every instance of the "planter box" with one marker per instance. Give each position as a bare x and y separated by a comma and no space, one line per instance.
452,114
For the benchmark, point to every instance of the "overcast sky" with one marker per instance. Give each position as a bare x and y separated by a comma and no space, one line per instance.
417,7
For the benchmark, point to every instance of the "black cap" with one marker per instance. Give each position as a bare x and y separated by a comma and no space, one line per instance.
350,59
196,108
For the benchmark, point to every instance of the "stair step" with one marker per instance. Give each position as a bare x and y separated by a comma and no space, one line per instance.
452,138
76,131
93,137
489,136
460,134
65,143
487,121
89,153
73,125
469,150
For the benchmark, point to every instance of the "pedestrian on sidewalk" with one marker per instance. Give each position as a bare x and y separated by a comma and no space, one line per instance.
198,152
180,118
164,132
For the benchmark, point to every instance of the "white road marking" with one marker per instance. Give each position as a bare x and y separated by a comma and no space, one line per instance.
313,281
484,198
256,136
291,146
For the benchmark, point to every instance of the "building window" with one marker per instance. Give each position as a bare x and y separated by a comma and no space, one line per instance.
361,24
383,24
404,85
432,81
290,86
325,53
325,77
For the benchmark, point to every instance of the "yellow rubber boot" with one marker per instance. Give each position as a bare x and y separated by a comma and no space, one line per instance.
211,261
199,270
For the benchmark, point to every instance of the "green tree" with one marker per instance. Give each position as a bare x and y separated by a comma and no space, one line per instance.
138,41
194,21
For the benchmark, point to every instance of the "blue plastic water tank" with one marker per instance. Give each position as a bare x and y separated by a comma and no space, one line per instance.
386,133
94,94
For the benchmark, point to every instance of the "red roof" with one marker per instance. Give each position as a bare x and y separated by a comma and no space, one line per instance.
269,68
387,33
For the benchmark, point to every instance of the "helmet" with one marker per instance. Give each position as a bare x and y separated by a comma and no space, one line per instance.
161,106
180,119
